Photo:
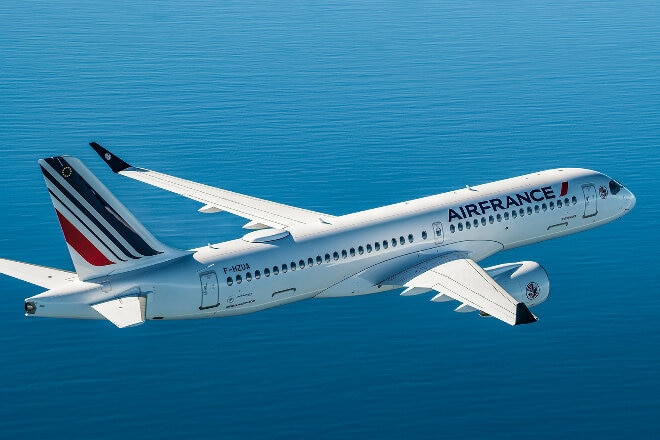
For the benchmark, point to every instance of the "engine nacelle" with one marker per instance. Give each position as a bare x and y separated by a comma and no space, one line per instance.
526,281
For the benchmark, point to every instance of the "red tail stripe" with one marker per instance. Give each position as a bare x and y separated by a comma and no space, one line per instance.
564,189
81,244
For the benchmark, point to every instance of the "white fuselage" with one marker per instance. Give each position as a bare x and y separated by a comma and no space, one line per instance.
354,254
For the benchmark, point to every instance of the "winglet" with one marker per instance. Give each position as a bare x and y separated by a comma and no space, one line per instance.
523,315
114,162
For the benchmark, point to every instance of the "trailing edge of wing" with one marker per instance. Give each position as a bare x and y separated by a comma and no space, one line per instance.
462,279
258,211
45,277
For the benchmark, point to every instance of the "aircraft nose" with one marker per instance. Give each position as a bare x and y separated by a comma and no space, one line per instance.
630,199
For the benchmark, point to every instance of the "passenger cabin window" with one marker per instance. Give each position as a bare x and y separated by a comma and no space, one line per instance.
293,265
410,238
301,264
344,254
360,250
452,229
424,235
230,281
327,258
335,255
352,251
239,279
276,270
257,274
284,268
267,272
385,245
248,276
394,242
368,248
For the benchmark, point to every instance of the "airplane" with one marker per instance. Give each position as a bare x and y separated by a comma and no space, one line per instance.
123,274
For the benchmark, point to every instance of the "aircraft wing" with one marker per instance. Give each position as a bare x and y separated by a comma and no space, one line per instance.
261,213
456,277
45,277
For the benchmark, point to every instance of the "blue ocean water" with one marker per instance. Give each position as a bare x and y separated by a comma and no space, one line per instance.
336,106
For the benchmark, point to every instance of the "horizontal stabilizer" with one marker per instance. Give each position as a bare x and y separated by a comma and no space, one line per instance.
123,312
45,277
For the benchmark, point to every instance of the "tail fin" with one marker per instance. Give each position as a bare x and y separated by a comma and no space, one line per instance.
102,235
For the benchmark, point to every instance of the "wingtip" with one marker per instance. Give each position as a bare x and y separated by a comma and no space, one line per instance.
523,315
114,162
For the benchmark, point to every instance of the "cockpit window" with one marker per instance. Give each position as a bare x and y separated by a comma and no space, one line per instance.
615,187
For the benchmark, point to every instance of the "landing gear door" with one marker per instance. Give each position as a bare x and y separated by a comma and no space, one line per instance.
210,290
438,235
590,208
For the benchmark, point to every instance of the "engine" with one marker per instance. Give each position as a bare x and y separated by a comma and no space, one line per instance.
526,281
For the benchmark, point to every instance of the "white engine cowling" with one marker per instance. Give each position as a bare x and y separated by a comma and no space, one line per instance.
526,281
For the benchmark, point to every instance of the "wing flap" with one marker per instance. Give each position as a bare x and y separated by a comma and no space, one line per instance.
463,280
123,312
258,211
45,277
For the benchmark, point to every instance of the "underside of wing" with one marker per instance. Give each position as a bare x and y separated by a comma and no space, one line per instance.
462,279
261,213
45,277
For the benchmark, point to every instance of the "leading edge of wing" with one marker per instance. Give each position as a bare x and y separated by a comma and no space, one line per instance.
464,280
258,211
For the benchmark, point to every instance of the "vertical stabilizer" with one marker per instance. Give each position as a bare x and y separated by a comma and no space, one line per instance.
102,235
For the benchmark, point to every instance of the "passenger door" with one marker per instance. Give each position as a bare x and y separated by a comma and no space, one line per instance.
590,200
210,290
